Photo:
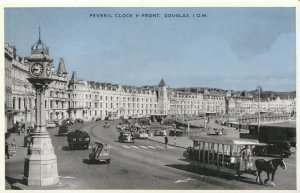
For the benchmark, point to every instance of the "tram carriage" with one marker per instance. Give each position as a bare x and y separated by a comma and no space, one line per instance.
222,154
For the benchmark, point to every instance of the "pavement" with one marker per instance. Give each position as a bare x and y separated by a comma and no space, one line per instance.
15,163
20,155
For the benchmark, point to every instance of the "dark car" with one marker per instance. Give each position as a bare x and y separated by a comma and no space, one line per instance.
78,140
78,121
67,122
277,148
98,119
177,132
63,130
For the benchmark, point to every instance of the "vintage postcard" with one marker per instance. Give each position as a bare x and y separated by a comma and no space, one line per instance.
150,98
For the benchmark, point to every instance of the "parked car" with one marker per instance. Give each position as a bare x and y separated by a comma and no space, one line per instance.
68,122
142,134
63,130
277,148
78,120
98,119
177,132
126,137
51,124
160,132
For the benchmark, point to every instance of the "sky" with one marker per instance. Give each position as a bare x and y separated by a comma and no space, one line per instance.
230,48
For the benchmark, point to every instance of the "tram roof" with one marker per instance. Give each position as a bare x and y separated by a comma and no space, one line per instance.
225,140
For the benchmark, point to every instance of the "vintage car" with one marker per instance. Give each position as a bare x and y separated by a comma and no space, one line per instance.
277,148
78,120
78,140
100,152
176,132
126,137
142,134
63,130
68,122
161,132
51,124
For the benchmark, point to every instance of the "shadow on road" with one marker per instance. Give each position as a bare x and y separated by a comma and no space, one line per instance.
62,135
207,172
14,180
95,162
65,148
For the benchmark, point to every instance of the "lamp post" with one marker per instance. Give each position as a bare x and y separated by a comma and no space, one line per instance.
26,108
258,88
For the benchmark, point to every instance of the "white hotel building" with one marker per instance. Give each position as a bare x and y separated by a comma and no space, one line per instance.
77,98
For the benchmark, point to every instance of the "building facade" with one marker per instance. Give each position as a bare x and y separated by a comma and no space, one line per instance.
56,103
8,86
21,98
89,100
77,98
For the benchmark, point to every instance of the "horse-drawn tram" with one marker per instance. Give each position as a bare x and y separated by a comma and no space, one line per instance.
223,154
231,156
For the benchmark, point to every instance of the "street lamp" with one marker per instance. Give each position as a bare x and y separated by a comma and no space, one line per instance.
259,89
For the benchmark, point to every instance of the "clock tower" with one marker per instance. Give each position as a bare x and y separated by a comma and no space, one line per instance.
40,168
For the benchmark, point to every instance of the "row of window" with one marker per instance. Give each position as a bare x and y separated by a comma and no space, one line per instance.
111,98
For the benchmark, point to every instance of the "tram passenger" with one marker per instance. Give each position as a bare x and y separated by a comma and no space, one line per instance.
246,157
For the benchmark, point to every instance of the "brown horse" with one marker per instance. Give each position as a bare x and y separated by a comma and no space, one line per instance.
269,167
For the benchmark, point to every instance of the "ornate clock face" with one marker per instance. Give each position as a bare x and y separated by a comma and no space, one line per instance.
36,69
48,70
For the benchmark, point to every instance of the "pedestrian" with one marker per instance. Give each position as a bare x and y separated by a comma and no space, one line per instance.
6,150
166,141
28,140
246,154
13,147
19,130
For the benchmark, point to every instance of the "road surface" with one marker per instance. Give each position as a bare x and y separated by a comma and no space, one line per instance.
144,164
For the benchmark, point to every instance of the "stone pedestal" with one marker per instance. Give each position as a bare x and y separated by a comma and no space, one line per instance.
40,167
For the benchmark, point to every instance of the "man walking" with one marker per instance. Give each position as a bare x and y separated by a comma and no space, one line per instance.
166,140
